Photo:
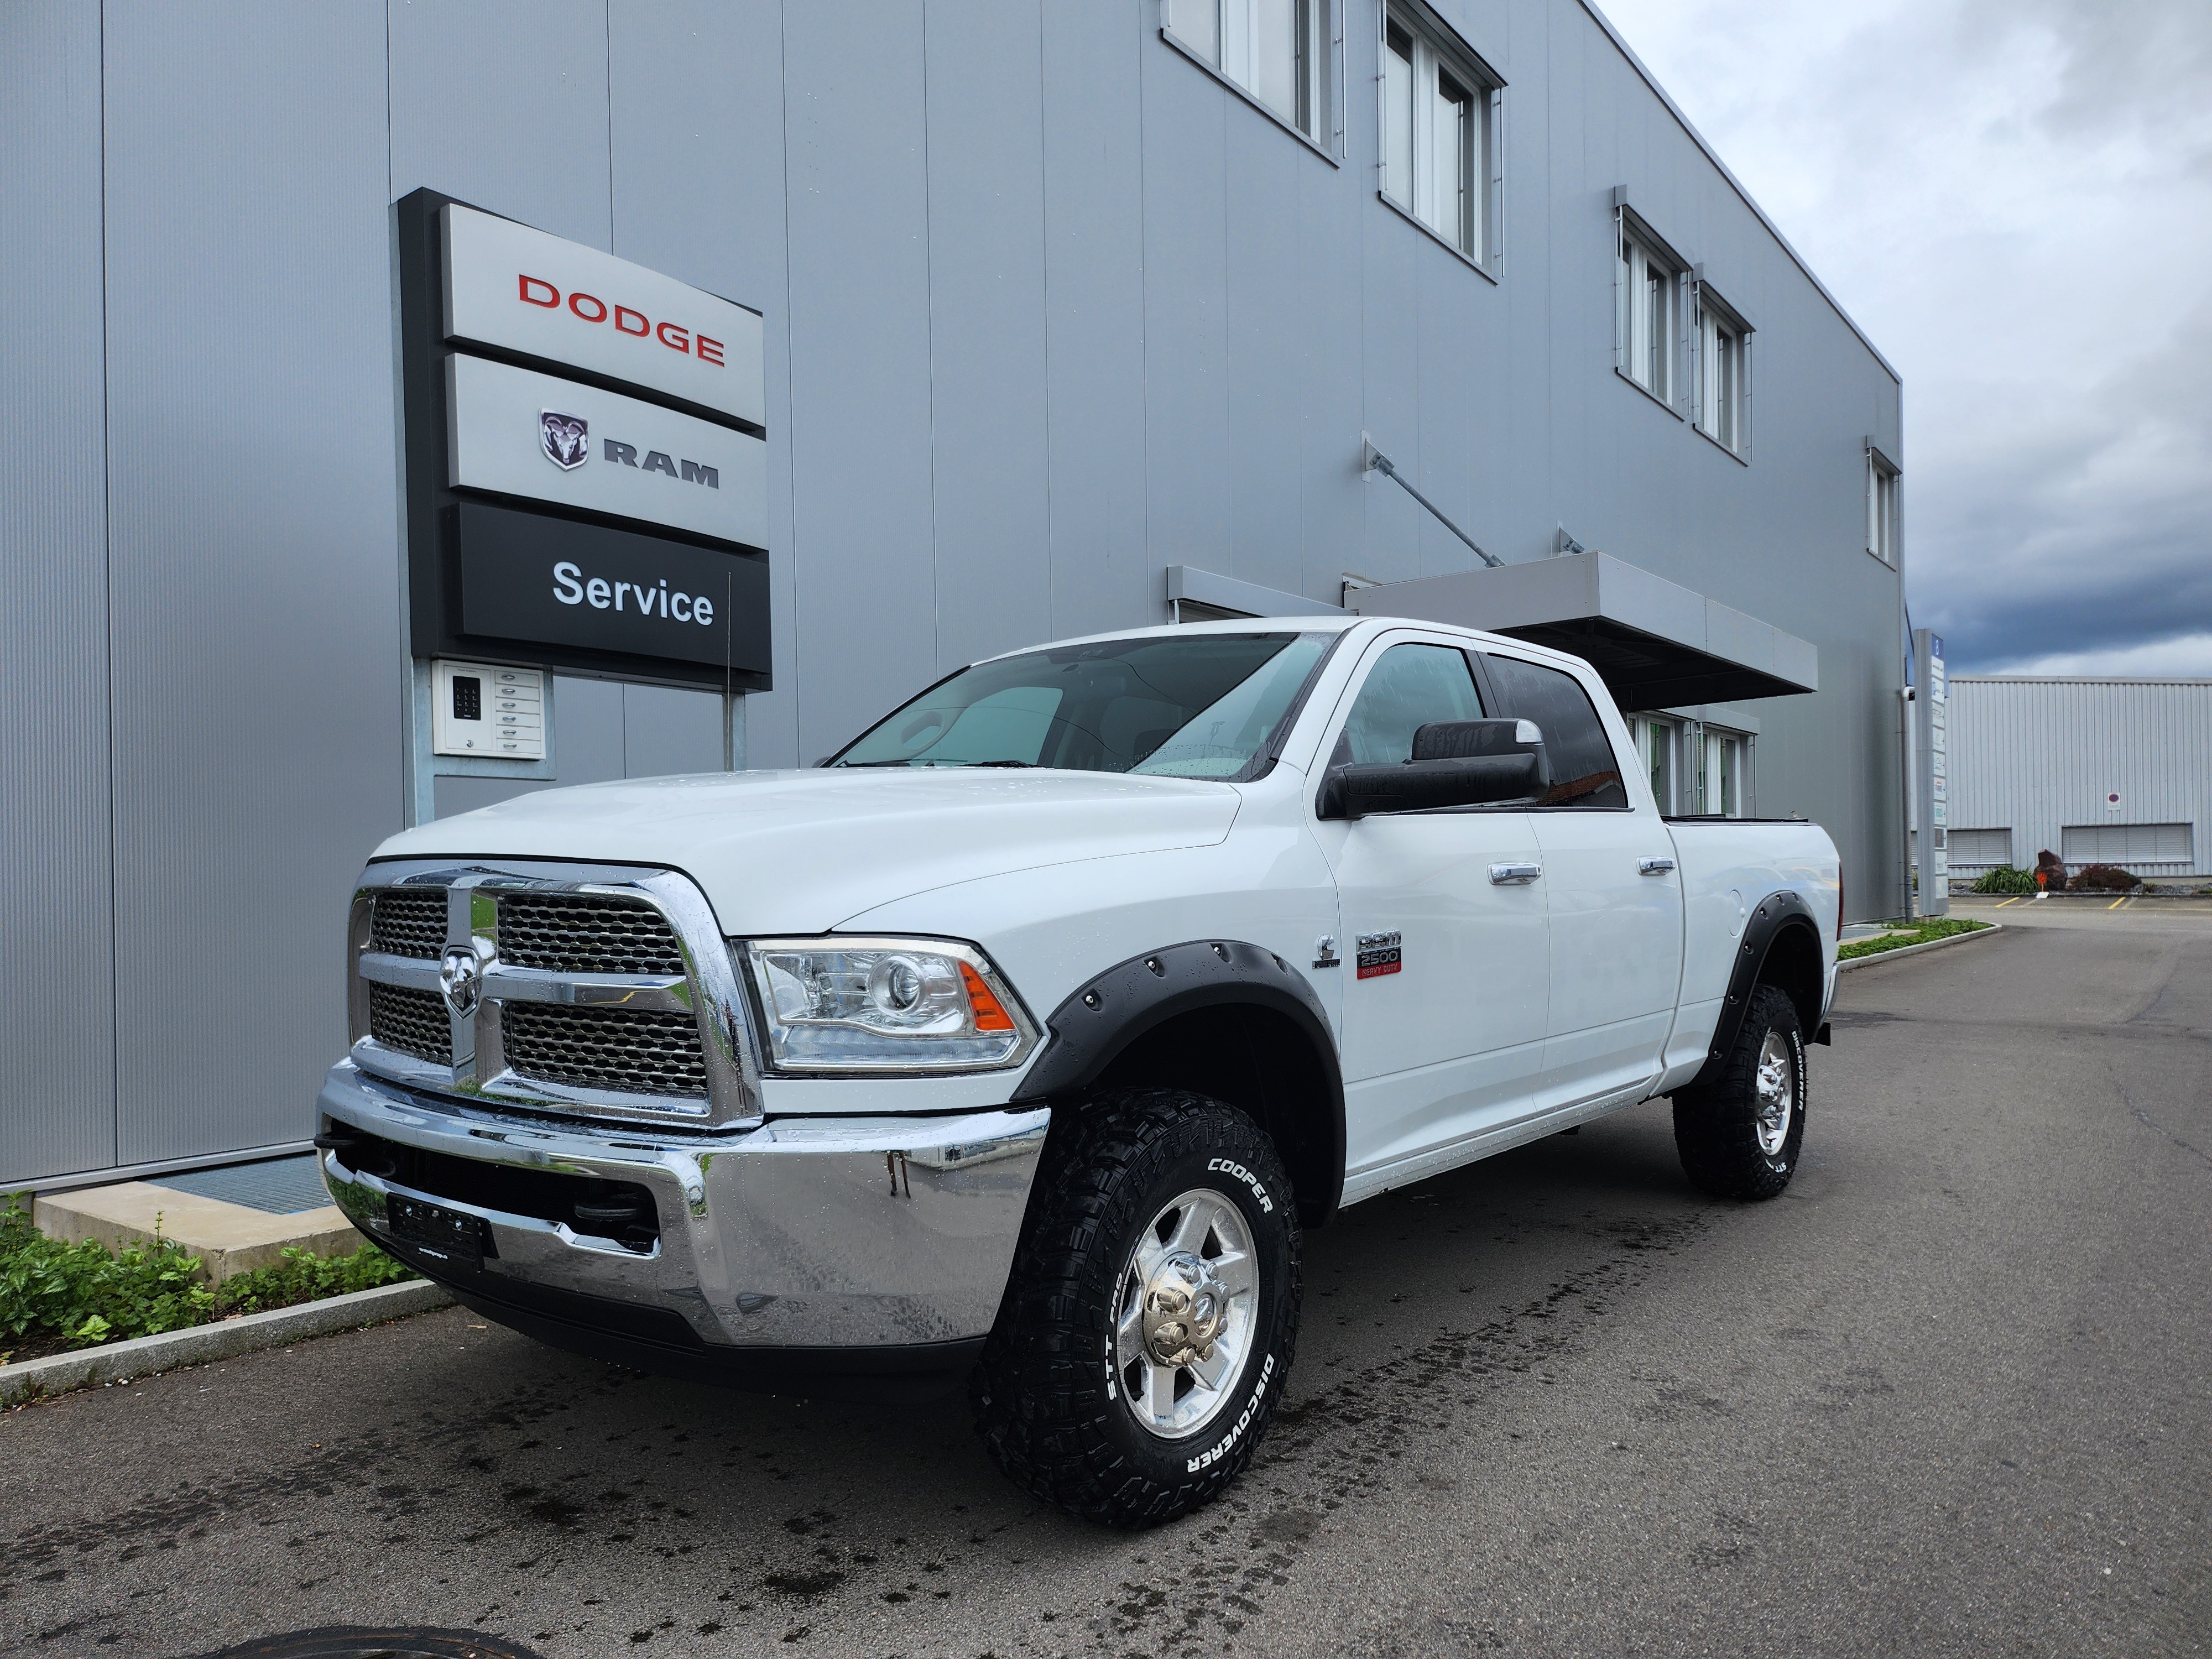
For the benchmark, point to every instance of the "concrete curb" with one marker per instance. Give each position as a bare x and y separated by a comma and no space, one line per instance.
1989,932
144,1356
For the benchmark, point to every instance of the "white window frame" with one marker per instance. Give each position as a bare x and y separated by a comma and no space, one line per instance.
1647,279
1721,350
1658,749
1409,175
1885,505
1223,36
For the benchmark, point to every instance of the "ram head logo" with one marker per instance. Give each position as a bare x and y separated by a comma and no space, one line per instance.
567,439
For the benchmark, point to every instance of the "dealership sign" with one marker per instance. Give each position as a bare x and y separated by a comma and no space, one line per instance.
587,466
514,432
518,290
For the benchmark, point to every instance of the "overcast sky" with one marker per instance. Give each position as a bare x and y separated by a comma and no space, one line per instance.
2014,199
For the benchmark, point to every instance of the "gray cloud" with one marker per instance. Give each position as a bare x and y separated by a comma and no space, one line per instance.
2014,199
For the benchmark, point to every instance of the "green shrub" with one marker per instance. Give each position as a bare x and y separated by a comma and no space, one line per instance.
55,1295
303,1276
1935,928
2005,879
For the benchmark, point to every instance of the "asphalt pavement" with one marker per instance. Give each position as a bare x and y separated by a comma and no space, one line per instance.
1949,1396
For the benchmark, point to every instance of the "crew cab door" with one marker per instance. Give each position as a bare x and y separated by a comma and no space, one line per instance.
1614,894
1442,1028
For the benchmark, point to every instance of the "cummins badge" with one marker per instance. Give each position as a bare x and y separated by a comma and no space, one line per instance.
567,439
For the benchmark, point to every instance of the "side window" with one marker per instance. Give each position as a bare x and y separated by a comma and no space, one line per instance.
1409,686
1585,772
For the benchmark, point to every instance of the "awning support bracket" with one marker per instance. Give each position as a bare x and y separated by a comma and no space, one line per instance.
1373,460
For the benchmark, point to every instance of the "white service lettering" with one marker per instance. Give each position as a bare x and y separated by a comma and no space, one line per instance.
571,586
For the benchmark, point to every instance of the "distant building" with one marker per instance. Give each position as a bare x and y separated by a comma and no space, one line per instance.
2098,771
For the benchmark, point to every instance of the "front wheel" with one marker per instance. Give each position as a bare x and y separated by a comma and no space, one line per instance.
1739,1137
1149,1324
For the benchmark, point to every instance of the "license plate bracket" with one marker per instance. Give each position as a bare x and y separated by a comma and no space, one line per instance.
452,1237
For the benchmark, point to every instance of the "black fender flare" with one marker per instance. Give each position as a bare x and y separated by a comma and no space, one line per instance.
1100,1018
1778,912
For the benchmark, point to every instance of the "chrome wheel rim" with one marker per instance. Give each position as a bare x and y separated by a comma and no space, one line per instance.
1185,1313
1777,1094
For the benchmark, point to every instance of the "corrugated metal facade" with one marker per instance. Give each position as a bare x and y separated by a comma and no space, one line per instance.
2036,757
1049,308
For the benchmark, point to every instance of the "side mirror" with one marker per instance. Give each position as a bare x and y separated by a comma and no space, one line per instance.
1455,764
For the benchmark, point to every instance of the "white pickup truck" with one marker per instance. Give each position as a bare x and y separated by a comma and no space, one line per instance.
1019,1041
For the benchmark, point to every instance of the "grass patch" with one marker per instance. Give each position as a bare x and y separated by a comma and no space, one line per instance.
1921,933
55,1298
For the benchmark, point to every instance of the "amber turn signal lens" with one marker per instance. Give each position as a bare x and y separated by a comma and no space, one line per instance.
988,1015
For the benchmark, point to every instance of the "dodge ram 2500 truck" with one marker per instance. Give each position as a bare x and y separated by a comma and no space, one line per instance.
1019,1040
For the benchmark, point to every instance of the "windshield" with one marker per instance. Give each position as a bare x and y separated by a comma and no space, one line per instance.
1189,706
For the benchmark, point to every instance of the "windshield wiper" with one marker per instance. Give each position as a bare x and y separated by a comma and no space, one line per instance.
920,765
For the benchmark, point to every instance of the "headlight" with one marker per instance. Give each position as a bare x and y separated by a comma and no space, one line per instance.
884,1005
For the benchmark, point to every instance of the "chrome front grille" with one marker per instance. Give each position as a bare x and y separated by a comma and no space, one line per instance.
410,922
413,1022
637,1050
584,933
570,988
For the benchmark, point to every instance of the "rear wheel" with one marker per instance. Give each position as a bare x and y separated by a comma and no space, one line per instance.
1740,1136
1152,1314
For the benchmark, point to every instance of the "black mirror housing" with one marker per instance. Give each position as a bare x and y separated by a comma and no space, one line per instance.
1356,792
1455,763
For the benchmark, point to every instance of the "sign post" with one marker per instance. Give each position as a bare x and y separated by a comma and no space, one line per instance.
1930,718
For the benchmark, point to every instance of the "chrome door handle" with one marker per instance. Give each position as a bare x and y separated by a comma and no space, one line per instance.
1654,867
1514,875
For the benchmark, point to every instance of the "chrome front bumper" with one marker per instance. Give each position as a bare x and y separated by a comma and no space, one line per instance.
866,1236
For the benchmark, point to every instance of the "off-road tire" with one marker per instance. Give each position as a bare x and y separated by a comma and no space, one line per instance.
1716,1126
1047,1403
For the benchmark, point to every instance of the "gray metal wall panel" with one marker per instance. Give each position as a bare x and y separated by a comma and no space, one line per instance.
862,547
1265,239
252,526
988,407
695,101
1325,319
1186,328
57,1028
1095,313
2034,756
504,103
667,730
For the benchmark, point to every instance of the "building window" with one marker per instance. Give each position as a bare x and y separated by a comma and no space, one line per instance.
1723,351
1980,849
1645,281
1438,106
1276,50
1655,739
1723,773
2129,845
1882,525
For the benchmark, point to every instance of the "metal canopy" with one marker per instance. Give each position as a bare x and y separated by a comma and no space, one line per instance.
1655,643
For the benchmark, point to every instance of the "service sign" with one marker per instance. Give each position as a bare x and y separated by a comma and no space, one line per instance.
514,432
555,583
516,289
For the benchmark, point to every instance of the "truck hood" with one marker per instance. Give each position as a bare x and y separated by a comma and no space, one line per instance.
801,851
